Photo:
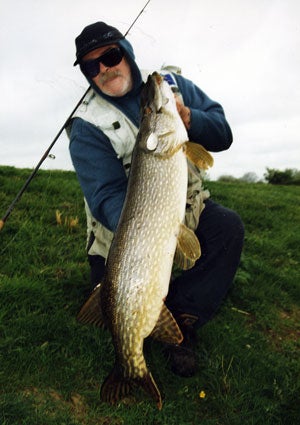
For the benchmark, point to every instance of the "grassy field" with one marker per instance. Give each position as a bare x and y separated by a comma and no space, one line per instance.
51,367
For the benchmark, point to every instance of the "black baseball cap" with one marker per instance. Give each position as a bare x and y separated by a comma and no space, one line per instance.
93,36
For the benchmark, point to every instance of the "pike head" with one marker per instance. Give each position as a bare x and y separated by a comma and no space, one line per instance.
162,131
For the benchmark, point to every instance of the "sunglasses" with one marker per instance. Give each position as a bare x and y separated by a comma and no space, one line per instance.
110,58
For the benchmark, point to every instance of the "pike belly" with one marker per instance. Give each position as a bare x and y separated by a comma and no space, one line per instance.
141,255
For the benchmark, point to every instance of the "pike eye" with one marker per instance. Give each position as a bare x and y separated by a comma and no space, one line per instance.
147,110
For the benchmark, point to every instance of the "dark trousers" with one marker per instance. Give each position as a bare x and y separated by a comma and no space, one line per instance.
201,290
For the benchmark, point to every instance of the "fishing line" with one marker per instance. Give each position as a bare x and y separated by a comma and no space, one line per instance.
46,154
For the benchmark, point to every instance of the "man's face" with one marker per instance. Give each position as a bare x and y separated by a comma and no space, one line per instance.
112,81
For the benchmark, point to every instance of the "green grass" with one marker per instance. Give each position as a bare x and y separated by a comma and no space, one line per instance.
51,367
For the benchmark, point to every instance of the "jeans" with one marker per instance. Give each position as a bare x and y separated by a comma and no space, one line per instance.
201,290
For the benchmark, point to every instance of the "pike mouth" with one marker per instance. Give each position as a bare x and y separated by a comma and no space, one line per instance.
158,78
152,98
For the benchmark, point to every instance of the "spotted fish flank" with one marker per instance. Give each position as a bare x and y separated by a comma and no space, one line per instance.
130,299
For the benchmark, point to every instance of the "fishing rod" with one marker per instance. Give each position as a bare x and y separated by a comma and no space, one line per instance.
29,179
27,182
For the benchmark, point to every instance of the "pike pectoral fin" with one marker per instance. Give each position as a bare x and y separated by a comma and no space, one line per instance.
166,329
198,155
188,248
116,387
91,311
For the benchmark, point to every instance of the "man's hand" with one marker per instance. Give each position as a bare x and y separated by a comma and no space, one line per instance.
184,111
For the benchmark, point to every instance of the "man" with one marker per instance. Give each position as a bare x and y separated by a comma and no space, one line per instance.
102,135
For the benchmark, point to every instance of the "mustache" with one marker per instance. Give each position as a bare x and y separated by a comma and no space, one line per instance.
103,77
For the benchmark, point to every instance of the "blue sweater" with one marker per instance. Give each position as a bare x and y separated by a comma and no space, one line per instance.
99,171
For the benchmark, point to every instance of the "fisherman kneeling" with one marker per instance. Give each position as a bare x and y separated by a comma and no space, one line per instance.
102,136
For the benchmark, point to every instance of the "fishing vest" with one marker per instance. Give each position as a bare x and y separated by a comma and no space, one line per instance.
122,134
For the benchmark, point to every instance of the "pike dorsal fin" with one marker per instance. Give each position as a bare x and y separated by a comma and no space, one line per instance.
91,311
198,155
166,329
188,248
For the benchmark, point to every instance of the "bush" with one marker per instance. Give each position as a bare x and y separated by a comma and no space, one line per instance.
227,178
288,176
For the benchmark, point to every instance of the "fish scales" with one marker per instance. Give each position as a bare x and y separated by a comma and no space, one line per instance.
156,214
130,300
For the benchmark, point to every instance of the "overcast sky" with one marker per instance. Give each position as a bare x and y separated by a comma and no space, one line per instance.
244,54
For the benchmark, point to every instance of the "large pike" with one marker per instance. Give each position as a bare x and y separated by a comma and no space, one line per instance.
130,299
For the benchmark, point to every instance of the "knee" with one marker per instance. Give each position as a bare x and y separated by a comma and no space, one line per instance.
233,223
233,229
220,228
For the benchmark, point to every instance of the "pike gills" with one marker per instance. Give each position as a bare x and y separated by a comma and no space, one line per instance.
130,299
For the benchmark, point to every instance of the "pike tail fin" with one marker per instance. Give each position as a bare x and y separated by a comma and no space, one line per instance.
116,387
